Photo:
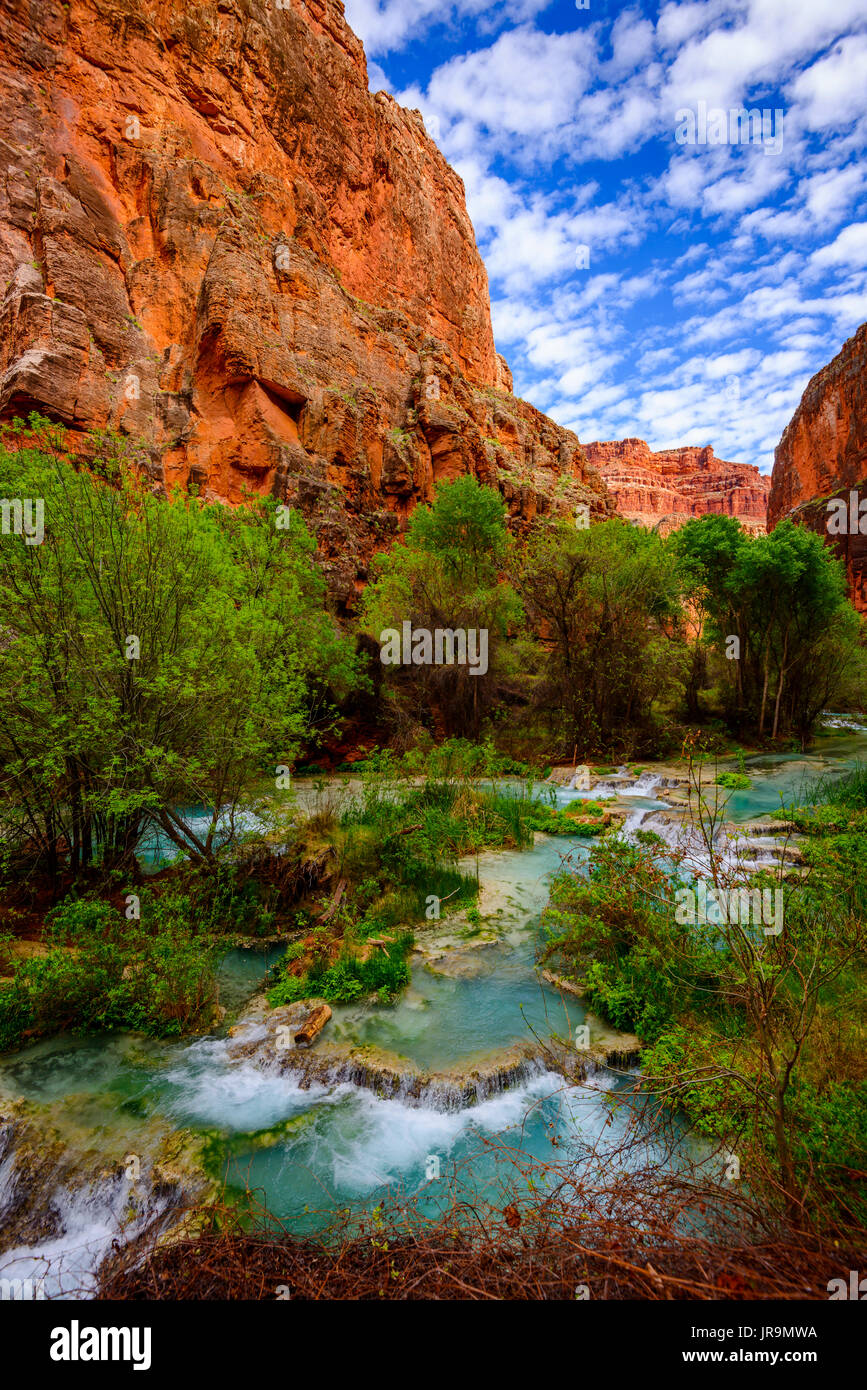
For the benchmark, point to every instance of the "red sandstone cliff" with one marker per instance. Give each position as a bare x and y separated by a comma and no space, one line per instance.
215,239
663,490
823,454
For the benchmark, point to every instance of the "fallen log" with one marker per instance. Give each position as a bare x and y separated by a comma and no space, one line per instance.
335,902
312,1025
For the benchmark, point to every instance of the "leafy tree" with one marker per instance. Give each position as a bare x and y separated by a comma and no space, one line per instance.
446,574
783,597
156,651
605,603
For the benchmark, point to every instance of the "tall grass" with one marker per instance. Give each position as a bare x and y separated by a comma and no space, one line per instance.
849,792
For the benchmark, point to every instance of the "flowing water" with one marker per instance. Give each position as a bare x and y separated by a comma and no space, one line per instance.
312,1149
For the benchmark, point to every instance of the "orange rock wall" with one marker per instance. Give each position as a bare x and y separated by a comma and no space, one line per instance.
823,454
213,238
663,490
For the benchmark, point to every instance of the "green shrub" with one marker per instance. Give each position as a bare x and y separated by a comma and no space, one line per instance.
349,978
79,920
733,781
102,972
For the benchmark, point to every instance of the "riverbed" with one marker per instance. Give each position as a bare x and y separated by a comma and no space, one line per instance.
312,1148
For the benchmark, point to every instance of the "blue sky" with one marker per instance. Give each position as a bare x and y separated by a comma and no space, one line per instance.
721,276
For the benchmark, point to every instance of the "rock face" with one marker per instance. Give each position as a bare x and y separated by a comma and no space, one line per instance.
663,490
823,455
215,240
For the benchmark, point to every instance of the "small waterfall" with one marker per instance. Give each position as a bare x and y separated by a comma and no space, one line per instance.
736,852
843,721
68,1193
391,1078
61,1207
85,1223
442,1091
645,786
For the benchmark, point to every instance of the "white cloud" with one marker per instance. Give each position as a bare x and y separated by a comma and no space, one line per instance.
376,78
632,41
527,83
706,263
387,25
761,44
677,22
828,194
833,92
849,248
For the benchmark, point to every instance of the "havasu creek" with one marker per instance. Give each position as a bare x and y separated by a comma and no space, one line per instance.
472,1069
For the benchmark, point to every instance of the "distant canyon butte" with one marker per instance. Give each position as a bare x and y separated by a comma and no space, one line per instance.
215,240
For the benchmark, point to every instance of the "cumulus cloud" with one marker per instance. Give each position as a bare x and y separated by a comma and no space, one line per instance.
716,278
833,91
848,249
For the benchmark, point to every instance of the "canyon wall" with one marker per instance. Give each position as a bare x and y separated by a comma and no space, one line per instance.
823,456
663,490
215,240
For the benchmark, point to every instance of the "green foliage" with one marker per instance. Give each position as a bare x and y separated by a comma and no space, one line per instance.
733,781
104,970
461,758
156,652
758,1039
783,596
349,978
616,935
831,1132
78,921
446,574
607,599
848,793
826,1124
119,974
723,1104
465,528
7,940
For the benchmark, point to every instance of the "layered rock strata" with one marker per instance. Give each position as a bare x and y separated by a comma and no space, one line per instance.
665,489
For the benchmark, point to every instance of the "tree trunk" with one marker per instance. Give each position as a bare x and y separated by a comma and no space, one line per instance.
784,1157
764,696
780,683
